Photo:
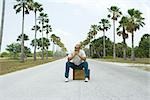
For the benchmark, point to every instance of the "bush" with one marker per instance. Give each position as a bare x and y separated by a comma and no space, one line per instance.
50,53
95,56
4,54
59,54
108,57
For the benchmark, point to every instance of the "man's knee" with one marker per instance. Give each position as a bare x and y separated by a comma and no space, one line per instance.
85,64
68,63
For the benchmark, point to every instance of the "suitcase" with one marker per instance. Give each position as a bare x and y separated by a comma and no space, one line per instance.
78,74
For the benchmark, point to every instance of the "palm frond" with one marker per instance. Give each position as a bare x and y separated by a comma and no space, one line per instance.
18,10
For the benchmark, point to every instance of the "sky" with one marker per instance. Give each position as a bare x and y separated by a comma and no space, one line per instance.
71,20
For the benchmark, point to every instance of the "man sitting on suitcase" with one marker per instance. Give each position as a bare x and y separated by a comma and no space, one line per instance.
77,60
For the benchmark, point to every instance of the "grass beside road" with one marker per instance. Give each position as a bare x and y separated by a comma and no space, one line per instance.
137,60
141,63
9,65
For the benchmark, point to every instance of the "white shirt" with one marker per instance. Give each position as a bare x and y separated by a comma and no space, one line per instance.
77,60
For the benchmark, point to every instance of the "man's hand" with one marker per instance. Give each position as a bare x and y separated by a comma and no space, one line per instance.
77,53
73,55
83,58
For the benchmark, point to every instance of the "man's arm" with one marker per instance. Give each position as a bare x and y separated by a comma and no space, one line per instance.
72,56
82,58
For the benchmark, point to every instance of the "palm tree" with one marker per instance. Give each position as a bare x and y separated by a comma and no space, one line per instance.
2,23
56,40
25,6
84,43
35,44
91,35
48,30
89,38
114,14
53,39
135,21
41,46
25,37
36,8
93,30
123,22
104,26
43,17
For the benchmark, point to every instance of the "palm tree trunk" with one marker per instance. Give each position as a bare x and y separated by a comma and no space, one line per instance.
90,48
53,48
124,53
132,52
124,49
2,23
104,52
22,38
42,42
35,39
47,50
149,48
114,48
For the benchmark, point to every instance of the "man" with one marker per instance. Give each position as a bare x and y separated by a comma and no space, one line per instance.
77,59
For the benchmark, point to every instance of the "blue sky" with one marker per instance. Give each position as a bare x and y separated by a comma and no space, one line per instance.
71,19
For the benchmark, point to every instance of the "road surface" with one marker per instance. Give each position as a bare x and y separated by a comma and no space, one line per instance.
46,82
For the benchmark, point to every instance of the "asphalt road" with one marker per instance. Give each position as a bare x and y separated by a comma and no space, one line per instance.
46,82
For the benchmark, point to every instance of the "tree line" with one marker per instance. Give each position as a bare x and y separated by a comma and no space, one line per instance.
41,25
128,25
96,48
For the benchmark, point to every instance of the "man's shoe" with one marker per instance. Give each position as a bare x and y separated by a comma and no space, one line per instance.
66,80
86,80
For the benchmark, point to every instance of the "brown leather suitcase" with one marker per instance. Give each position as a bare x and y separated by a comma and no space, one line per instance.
78,74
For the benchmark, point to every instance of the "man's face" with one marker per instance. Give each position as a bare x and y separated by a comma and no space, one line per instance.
77,47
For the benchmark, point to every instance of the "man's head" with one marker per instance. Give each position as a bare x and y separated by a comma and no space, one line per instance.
77,47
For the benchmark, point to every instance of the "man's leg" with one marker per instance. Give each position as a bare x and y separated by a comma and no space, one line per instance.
68,65
85,66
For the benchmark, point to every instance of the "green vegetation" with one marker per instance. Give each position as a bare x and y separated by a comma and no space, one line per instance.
104,26
143,50
15,48
115,13
37,7
96,48
122,32
103,47
25,7
11,65
46,43
43,26
137,61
